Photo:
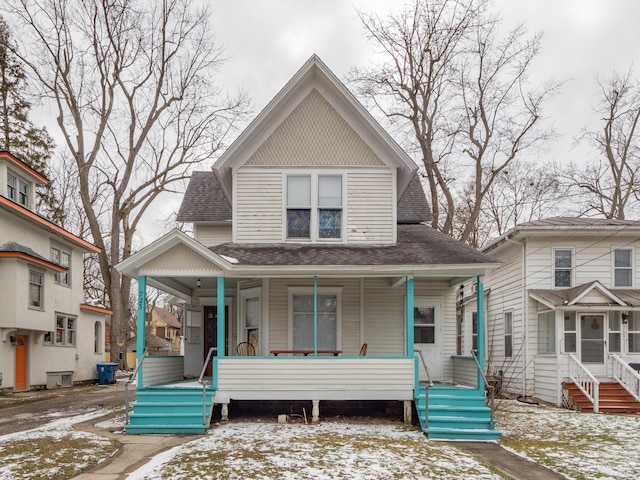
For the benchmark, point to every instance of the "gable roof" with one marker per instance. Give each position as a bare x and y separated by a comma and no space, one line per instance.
566,226
579,296
314,74
167,317
15,250
204,200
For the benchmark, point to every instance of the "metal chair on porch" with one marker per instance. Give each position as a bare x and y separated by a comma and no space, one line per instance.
245,349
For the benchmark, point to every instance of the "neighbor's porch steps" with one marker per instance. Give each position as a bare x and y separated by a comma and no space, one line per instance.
170,410
454,413
613,398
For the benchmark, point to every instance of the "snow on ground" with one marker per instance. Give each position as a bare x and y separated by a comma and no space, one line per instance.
577,445
54,450
323,451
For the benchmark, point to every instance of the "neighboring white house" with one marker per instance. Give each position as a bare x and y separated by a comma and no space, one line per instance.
48,336
563,306
311,248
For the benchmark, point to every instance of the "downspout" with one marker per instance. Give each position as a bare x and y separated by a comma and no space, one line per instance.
142,321
481,326
410,315
315,315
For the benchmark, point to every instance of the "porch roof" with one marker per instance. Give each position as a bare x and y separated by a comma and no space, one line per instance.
418,246
574,298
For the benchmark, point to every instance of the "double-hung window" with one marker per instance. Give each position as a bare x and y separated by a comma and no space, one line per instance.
314,208
65,330
508,334
623,267
36,289
62,258
634,332
18,190
563,267
570,332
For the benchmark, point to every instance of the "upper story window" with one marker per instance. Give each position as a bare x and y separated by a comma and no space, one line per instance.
18,190
36,289
623,267
63,258
314,207
562,267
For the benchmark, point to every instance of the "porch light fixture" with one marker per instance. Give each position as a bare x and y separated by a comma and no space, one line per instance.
198,283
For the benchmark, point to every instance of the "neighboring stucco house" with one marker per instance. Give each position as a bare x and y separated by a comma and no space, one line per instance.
563,310
48,336
312,274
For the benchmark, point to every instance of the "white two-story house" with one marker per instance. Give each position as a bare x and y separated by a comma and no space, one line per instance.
563,312
48,336
311,273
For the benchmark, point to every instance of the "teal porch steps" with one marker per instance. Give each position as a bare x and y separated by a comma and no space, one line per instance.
170,410
454,413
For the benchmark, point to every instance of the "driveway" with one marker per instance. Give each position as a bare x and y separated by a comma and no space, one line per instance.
27,410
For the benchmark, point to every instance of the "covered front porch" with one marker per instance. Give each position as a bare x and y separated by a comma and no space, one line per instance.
315,334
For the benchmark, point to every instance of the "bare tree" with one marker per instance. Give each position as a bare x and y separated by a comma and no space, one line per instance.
461,93
610,183
133,86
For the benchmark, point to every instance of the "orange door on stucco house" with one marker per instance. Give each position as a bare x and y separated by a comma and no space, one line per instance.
21,363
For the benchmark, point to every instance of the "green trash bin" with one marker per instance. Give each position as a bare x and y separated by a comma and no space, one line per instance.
106,372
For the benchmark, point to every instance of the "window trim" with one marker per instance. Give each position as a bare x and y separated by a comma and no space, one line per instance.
242,330
615,249
571,269
337,291
65,331
509,314
40,306
315,207
61,251
17,189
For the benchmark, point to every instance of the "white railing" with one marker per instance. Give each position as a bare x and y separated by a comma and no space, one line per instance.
585,381
626,376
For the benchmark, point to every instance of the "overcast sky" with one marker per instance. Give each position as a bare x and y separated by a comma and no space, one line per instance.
268,41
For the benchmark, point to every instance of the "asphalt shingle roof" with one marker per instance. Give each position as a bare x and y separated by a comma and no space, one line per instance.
413,206
563,297
204,200
579,222
417,245
16,247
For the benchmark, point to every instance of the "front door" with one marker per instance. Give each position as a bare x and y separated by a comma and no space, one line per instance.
592,343
21,363
211,332
427,336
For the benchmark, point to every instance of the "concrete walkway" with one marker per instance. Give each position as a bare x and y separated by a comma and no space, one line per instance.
507,463
135,451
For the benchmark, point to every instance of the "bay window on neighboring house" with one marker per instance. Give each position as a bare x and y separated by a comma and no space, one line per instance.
546,332
562,267
633,333
36,290
301,317
623,267
314,207
570,332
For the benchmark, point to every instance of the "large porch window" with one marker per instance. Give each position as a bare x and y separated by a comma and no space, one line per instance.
301,331
570,332
634,332
546,332
615,333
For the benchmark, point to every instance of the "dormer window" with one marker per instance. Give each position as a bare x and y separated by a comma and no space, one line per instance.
18,190
314,207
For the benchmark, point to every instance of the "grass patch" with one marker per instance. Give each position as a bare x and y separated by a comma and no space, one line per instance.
52,457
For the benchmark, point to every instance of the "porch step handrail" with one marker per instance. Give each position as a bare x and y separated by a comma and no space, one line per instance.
586,382
424,365
488,386
626,376
129,382
202,382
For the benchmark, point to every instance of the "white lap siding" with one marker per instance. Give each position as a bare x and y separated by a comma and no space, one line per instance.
370,207
258,216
